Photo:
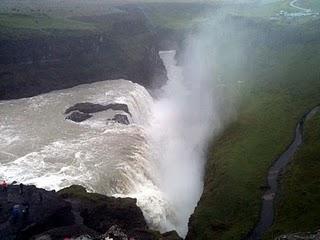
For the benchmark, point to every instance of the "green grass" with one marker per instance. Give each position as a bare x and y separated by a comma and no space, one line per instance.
298,208
22,23
273,9
40,22
309,4
20,26
280,84
266,10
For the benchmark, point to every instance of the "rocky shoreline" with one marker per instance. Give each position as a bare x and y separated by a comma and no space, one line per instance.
28,212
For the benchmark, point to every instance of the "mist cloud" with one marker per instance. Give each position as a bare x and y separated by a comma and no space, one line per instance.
195,106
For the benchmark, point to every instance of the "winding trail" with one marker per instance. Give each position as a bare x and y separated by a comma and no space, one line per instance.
274,173
293,4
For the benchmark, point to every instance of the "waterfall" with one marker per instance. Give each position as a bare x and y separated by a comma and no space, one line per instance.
38,146
158,158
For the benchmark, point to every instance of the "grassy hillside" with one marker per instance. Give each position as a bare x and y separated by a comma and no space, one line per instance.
298,208
309,4
279,83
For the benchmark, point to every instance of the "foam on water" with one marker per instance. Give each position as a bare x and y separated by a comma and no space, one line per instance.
38,146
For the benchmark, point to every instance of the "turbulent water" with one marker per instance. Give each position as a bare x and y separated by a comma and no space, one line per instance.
38,146
153,159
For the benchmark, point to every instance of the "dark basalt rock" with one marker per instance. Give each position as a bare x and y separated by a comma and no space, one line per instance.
100,212
72,213
78,117
50,212
121,118
172,235
94,108
71,231
116,233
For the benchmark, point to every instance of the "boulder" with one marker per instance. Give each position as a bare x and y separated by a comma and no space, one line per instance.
78,117
121,118
94,108
115,233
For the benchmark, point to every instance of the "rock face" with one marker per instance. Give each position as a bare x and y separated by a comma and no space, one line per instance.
120,46
46,210
100,212
71,213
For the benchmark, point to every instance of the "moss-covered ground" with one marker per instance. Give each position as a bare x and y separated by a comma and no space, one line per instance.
298,207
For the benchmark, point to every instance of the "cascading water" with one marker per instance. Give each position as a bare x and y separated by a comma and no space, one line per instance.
38,146
158,158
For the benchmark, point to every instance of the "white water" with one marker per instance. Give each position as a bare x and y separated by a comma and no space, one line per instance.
158,158
38,146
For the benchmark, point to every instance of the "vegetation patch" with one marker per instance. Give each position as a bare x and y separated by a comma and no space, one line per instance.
279,83
298,207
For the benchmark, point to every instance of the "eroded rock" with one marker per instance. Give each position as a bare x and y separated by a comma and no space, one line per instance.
78,117
94,108
121,118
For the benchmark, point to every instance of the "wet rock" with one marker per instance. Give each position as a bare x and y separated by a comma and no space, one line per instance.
116,233
72,231
73,213
121,118
46,210
94,108
78,117
100,212
172,235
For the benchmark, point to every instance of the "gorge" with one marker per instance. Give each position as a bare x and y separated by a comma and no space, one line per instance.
141,159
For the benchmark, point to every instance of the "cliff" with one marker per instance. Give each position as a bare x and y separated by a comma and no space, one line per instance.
117,46
35,213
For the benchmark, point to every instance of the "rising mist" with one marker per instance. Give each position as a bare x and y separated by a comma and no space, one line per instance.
195,105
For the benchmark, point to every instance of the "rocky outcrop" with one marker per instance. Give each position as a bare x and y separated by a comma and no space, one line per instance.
83,111
78,117
94,108
30,212
100,212
71,213
121,118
